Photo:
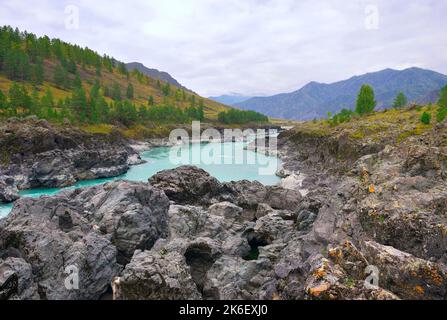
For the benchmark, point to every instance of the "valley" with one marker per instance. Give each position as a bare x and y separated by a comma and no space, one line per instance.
94,178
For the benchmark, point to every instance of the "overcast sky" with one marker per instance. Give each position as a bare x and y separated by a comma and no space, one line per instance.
248,46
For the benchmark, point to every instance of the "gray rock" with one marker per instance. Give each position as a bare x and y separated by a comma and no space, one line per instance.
226,210
8,190
134,214
156,275
187,185
37,154
52,236
89,231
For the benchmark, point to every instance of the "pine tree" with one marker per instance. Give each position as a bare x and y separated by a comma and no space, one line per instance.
150,101
77,83
129,92
24,66
19,98
166,89
116,92
79,103
400,101
103,109
59,77
35,102
365,100
71,67
38,73
47,100
94,102
11,64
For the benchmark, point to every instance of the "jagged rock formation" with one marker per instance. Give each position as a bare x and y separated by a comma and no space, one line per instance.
35,154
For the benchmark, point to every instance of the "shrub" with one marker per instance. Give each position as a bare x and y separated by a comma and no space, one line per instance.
426,118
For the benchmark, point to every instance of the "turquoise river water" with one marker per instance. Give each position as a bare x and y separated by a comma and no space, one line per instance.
225,161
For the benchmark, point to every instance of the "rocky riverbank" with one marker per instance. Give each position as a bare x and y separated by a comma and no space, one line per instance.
35,154
380,205
182,235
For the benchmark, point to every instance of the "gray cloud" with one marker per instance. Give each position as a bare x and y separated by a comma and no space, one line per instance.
249,46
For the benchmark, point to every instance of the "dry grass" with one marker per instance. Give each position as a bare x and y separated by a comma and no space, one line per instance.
394,123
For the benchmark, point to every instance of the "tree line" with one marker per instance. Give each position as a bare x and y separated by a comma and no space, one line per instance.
22,55
241,116
90,108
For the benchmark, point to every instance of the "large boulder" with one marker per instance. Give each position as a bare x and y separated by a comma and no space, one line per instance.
407,276
159,274
16,280
134,214
187,185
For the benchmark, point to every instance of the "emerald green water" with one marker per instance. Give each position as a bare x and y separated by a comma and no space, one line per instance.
225,161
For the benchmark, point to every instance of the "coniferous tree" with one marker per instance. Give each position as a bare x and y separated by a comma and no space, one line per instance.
150,101
365,100
166,90
130,91
35,102
19,98
79,104
94,102
38,73
400,101
71,67
77,83
59,77
116,92
47,100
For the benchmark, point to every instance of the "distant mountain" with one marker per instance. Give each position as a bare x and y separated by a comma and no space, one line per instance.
154,73
230,99
315,99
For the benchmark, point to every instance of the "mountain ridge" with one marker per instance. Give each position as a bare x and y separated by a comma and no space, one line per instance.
230,99
154,73
315,100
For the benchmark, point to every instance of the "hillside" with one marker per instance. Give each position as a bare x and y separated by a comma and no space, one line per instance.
315,100
154,73
63,82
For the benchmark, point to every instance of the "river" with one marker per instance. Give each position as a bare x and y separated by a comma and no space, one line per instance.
227,161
